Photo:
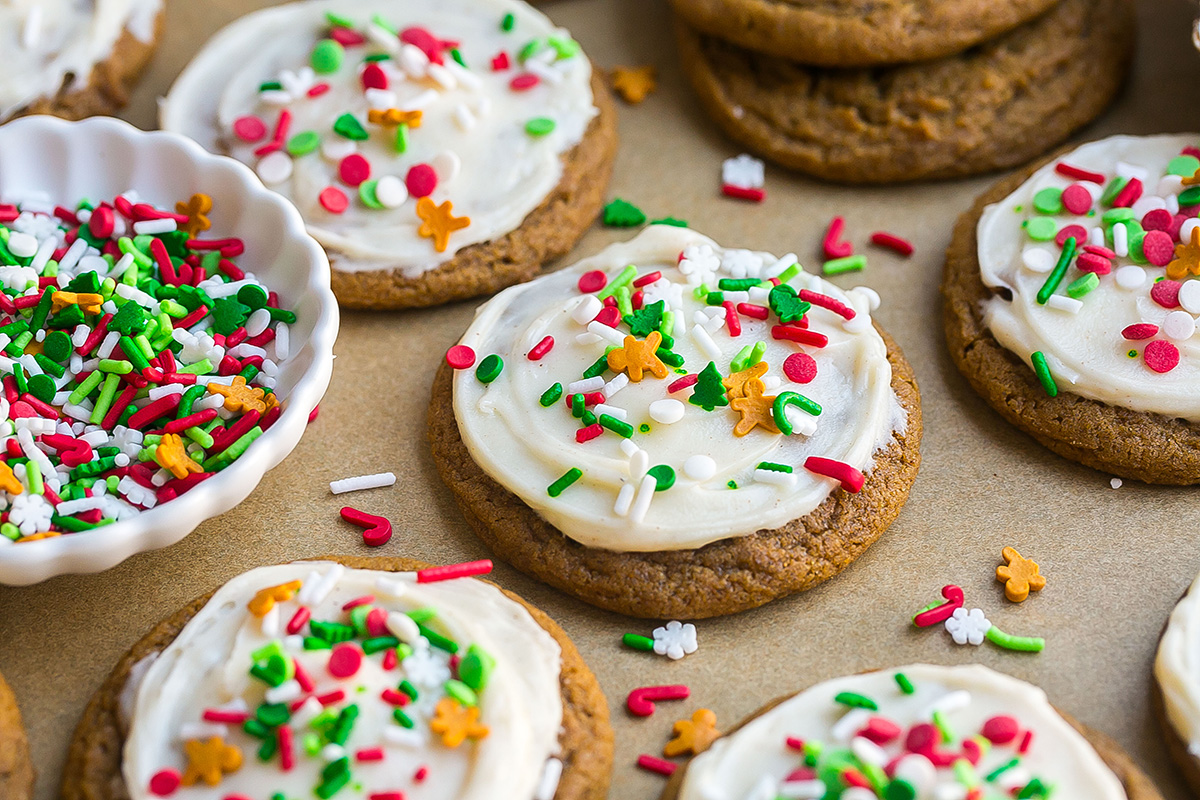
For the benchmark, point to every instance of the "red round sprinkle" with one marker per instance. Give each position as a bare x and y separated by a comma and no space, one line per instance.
21,409
1159,248
608,301
347,37
1090,262
1077,199
1078,231
460,357
800,367
164,782
609,315
972,752
1177,223
1001,729
249,129
1157,220
421,180
345,660
880,730
523,82
922,738
373,77
592,281
1097,250
1166,293
1141,330
425,41
1161,356
102,222
354,169
333,200
647,279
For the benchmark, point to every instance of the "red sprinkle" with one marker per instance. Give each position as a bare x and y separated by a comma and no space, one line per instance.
102,222
884,239
249,129
731,319
460,357
302,677
541,349
345,660
329,698
609,315
880,730
373,77
645,280
347,37
743,193
1166,293
420,774
1001,729
394,697
224,716
1026,740
1140,330
655,764
799,335
358,601
850,478
287,757
800,367
640,702
164,782
1077,231
333,200
1097,250
1078,173
376,530
1159,248
593,281
1077,199
794,743
369,754
683,383
1161,356
354,169
1129,195
827,302
421,180
451,571
524,81
500,62
590,432
832,245
753,311
1090,262
1158,219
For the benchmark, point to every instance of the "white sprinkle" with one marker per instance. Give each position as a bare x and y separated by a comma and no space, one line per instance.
849,724
612,411
464,117
611,335
872,296
1185,230
586,309
166,225
548,784
868,752
420,101
1116,483
72,256
32,31
952,701
1179,326
332,752
645,494
306,713
1061,302
1130,276
624,499
282,342
615,385
274,168
628,447
325,585
1189,296
639,463
587,338
785,479
202,730
447,165
1120,236
586,385
42,257
258,322
699,467
1038,259
22,245
285,692
705,342
544,71
361,482
802,790
391,192
1146,204
403,627
380,98
121,266
335,148
1096,237
404,737
667,411
780,266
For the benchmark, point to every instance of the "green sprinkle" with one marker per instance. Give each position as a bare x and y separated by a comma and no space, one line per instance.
789,273
327,57
1082,285
623,214
476,668
383,23
1113,189
1059,271
568,477
438,640
637,642
348,126
1041,229
550,396
1033,790
1003,768
785,399
757,353
1043,373
663,475
624,279
366,193
338,21
1115,215
904,683
714,298
539,126
839,266
304,143
1190,196
1025,644
461,692
409,689
965,773
403,719
598,367
939,721
732,484
617,426
378,644
774,467
672,221
489,368
737,284
741,360
1048,201
899,789
856,700
508,23
709,392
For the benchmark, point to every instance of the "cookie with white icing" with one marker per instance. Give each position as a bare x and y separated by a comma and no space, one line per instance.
920,731
438,149
74,58
1113,317
16,770
706,443
356,678
1177,685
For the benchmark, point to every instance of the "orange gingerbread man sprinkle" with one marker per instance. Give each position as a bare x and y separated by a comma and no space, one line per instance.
755,410
637,357
196,209
173,457
393,117
456,723
737,382
8,480
209,760
1020,575
1187,258
240,397
633,84
265,599
438,223
88,303
693,735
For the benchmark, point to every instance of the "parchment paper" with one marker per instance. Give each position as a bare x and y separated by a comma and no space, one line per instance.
1116,560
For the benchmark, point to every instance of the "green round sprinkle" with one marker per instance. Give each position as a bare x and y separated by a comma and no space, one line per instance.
1190,196
856,700
42,387
1184,166
568,477
539,126
664,477
57,346
304,143
489,368
1041,229
1082,285
899,789
1043,373
1113,189
644,427
273,714
637,642
327,56
1137,253
1048,201
366,193
1132,354
252,295
1114,215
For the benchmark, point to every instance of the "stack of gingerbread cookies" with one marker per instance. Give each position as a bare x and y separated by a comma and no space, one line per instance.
862,91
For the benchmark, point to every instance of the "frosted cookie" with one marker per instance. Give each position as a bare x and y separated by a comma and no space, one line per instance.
660,430
74,58
438,149
1177,685
16,770
1071,304
953,733
369,678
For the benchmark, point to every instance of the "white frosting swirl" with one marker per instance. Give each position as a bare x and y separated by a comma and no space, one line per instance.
1084,349
1177,669
754,762
207,665
471,116
526,447
45,41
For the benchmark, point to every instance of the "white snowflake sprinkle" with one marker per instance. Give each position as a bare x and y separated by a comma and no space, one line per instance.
675,640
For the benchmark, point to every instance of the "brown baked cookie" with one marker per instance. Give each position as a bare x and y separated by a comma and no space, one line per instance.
992,107
724,577
1132,444
16,770
548,232
108,87
857,33
93,769
1188,764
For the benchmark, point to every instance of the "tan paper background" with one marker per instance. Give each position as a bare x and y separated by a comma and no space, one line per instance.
1116,561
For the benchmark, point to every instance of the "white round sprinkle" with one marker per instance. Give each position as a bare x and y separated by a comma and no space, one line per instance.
1038,259
390,191
666,411
699,468
335,148
1189,296
1116,483
275,168
447,165
1179,325
1185,230
22,245
1130,277
1147,204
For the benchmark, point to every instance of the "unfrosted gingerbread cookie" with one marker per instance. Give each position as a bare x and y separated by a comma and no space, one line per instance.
1071,301
16,770
360,677
671,428
438,149
1177,685
918,731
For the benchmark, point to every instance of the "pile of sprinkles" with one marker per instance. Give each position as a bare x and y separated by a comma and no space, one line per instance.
310,715
634,317
138,360
1116,233
399,73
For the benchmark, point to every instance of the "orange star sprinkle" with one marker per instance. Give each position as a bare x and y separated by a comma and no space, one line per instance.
633,84
737,382
755,410
438,223
1020,575
393,117
637,357
265,599
456,723
240,397
209,760
88,303
196,209
8,480
1187,258
693,735
1194,180
172,456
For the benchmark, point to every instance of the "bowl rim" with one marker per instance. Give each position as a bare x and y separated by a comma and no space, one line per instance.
170,522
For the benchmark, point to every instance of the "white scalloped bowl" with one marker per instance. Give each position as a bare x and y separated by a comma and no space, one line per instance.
102,157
